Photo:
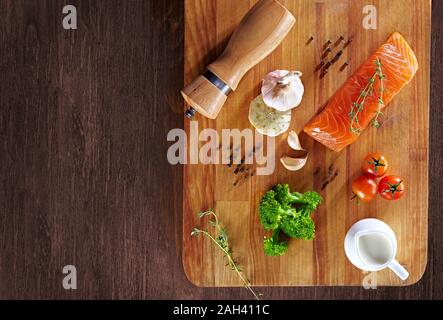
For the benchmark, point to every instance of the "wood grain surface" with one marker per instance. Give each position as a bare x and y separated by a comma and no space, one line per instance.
84,180
403,138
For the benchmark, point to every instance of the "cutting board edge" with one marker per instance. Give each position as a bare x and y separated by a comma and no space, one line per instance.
423,263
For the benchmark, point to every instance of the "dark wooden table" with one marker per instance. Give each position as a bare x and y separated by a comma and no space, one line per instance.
84,116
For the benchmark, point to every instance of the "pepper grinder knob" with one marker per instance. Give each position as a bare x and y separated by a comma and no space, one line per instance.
190,113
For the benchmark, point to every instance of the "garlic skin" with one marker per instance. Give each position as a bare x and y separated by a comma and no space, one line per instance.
290,163
282,89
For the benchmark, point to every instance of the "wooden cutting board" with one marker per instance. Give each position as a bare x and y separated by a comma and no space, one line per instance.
403,138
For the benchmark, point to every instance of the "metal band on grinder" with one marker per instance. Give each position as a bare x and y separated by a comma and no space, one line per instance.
216,81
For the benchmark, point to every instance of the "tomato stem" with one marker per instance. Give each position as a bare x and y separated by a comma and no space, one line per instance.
393,188
377,163
356,199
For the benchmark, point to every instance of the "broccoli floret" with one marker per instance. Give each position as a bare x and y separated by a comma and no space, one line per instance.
273,246
271,211
312,199
301,227
285,196
290,212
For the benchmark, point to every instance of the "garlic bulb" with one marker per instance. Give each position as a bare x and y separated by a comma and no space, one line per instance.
282,89
268,121
290,163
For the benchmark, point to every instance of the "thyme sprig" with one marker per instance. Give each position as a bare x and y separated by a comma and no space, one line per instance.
381,77
220,239
358,106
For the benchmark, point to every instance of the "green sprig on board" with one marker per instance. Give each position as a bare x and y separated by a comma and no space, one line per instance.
220,239
358,106
381,78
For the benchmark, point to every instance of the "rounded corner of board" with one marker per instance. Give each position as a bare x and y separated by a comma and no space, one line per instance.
189,275
415,280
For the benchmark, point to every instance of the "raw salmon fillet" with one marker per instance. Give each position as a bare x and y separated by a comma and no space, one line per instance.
332,126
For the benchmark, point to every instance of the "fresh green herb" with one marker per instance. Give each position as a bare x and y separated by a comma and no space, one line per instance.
381,78
288,212
358,106
220,239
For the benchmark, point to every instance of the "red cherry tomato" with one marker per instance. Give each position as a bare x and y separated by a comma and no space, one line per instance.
365,188
391,187
375,164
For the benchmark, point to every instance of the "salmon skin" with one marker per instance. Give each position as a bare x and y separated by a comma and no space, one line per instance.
332,127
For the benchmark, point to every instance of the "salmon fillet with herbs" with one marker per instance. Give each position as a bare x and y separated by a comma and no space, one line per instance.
359,102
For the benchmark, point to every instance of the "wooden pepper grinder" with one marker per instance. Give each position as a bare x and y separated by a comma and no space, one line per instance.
259,33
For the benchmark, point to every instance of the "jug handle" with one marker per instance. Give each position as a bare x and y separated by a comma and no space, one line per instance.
399,270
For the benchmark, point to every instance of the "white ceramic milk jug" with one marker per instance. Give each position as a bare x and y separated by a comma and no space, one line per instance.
370,245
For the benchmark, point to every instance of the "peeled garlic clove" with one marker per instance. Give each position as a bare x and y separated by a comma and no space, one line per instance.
282,89
293,164
294,141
